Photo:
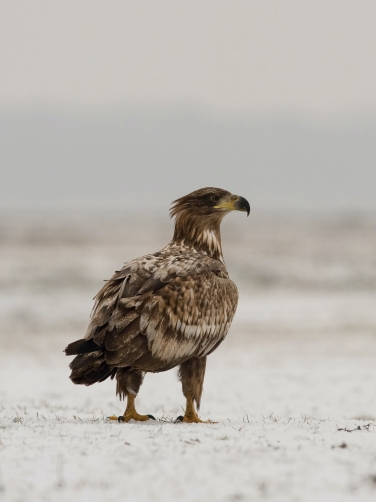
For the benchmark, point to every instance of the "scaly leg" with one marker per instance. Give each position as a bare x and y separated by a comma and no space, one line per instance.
190,415
130,412
128,384
192,374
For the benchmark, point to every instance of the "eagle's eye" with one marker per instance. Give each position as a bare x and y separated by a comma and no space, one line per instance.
215,198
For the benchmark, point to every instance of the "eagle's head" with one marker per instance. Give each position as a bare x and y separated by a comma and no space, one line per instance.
209,202
199,215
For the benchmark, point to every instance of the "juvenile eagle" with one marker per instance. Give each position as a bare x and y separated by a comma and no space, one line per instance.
171,308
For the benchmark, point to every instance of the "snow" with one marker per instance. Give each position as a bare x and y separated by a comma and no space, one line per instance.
279,405
295,375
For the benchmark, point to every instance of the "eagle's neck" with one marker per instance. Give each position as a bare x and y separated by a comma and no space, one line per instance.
201,233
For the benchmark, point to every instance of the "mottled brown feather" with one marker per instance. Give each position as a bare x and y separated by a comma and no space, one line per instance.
168,308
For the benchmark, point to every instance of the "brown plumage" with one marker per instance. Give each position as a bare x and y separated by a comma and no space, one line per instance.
171,308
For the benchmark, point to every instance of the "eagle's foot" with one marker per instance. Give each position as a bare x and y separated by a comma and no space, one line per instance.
190,415
128,416
113,417
189,419
193,420
134,416
131,413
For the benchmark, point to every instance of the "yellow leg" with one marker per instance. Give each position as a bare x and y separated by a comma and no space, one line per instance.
190,415
131,413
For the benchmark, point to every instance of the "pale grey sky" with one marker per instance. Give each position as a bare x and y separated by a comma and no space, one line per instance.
312,56
115,102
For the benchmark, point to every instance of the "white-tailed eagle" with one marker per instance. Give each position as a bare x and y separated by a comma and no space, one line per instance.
166,309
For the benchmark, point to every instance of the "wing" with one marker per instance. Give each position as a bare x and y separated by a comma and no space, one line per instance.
174,305
125,283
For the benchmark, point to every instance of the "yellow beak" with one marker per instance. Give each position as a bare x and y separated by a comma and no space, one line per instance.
234,203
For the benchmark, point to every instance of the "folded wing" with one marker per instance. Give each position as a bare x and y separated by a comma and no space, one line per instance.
161,310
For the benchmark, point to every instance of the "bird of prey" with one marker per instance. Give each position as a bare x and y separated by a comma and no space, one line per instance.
166,309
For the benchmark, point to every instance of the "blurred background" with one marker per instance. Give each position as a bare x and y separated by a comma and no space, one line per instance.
111,110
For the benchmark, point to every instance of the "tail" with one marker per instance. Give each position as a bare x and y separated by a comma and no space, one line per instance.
89,365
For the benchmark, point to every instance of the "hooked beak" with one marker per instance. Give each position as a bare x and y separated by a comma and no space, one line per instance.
234,203
241,204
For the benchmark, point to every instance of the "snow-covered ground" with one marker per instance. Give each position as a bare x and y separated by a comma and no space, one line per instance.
295,375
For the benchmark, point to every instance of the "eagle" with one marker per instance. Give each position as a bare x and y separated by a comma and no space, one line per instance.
166,309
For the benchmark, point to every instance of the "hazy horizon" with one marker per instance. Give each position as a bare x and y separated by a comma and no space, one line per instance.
145,157
130,105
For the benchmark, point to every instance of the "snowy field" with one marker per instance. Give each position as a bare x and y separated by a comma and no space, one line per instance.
292,389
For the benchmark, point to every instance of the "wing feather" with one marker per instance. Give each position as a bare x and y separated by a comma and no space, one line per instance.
172,305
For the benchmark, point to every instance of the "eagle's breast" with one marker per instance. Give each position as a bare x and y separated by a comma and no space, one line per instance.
189,315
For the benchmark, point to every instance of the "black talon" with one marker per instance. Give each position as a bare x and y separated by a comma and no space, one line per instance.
151,417
120,419
179,419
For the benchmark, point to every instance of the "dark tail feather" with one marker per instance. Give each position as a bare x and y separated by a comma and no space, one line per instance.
81,347
94,375
89,366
